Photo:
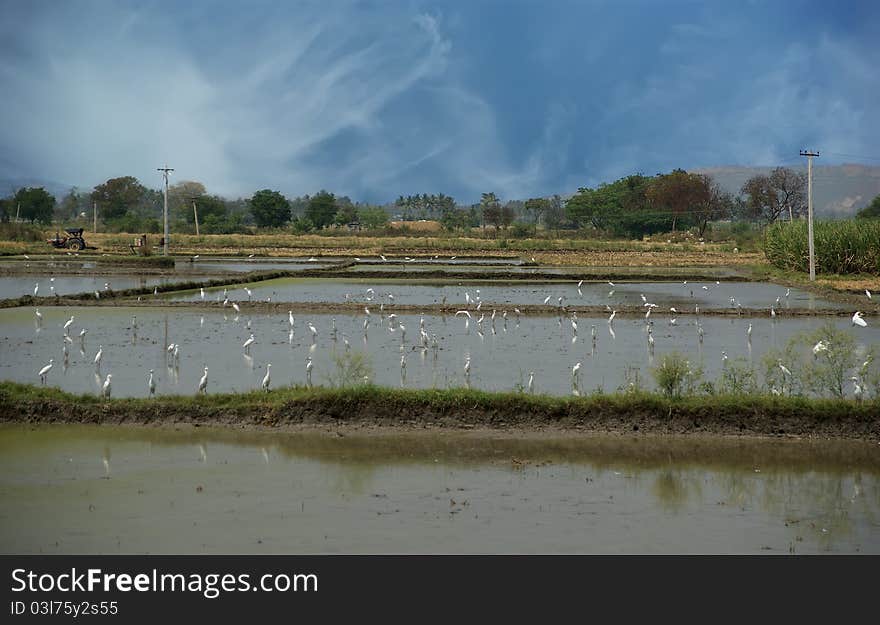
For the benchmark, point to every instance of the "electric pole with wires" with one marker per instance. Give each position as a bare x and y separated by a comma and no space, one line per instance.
810,156
165,171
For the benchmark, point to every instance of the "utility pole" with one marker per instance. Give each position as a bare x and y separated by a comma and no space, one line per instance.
195,213
95,213
165,171
810,156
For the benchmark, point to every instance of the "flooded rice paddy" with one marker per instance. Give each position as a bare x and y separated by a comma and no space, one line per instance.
502,354
17,286
85,489
683,295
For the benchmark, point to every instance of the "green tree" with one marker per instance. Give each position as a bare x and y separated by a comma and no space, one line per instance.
210,207
372,217
871,210
783,192
117,196
491,210
270,209
37,205
554,213
321,209
346,213
537,206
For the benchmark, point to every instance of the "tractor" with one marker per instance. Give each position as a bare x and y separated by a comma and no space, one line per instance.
73,241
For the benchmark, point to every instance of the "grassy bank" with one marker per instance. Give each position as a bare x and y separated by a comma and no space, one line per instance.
457,408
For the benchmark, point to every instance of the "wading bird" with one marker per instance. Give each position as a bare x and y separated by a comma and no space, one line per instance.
531,381
202,293
151,385
98,356
45,371
266,379
235,307
858,321
290,318
247,344
203,383
67,324
38,315
309,370
105,388
611,318
819,347
314,331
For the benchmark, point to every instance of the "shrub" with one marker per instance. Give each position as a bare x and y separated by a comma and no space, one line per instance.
738,378
350,368
675,375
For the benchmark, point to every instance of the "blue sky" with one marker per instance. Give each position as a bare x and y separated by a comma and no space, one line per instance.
374,99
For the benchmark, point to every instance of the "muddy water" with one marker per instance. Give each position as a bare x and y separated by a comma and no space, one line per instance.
665,294
500,360
17,286
118,490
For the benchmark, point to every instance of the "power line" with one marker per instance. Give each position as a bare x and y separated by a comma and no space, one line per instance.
165,171
810,156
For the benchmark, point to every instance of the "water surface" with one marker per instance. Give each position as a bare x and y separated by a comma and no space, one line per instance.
83,489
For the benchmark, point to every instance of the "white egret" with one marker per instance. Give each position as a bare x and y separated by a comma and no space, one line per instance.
531,381
611,318
151,384
784,369
45,370
819,347
579,286
105,388
67,324
203,383
749,332
313,330
202,293
772,312
672,310
403,362
858,321
235,307
651,341
574,371
547,300
868,293
309,370
611,283
290,318
38,315
36,288
366,311
467,366
249,293
247,344
383,258
266,378
644,299
82,334
787,293
170,349
98,356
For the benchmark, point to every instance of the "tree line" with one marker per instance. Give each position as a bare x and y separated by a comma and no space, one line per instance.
632,206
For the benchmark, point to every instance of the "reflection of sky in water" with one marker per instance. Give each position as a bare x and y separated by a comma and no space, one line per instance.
499,361
310,493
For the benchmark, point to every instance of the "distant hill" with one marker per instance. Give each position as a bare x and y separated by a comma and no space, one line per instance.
838,190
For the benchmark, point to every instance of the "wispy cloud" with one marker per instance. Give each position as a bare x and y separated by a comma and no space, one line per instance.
375,100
